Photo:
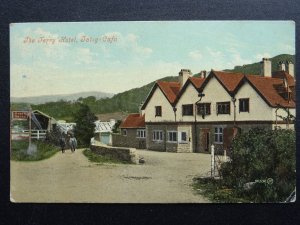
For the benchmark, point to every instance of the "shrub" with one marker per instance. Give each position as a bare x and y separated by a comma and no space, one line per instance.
258,155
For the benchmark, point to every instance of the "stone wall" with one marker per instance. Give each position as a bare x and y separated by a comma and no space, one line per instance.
119,153
130,140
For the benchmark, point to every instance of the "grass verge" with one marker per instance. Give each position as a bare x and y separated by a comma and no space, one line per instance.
215,192
99,159
39,151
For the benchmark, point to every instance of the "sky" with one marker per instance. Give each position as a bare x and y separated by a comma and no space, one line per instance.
65,58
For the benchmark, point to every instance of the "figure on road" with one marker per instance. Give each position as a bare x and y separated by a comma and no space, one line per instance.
73,143
62,143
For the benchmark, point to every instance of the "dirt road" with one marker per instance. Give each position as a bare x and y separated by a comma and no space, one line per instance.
70,177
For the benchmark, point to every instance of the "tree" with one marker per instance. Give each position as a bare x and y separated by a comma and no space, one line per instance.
260,155
85,126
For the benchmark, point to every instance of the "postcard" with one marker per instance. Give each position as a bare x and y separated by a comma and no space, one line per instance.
153,112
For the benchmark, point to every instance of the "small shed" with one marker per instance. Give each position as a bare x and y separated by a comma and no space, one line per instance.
103,130
42,121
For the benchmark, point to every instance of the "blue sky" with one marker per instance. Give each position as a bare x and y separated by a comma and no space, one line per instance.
137,53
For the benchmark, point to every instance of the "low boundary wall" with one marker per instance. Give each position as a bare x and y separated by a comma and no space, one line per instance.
120,153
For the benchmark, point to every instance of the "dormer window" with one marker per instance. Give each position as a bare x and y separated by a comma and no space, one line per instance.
244,104
157,110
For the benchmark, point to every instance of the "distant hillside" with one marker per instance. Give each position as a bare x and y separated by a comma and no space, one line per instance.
66,97
129,101
254,68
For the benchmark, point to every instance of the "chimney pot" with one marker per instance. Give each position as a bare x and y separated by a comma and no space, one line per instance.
184,75
266,67
291,68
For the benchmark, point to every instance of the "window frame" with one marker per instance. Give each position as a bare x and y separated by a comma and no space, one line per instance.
176,136
205,104
158,111
139,132
218,134
160,134
248,106
124,132
191,107
224,103
180,140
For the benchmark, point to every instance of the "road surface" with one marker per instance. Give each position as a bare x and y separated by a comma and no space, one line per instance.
70,177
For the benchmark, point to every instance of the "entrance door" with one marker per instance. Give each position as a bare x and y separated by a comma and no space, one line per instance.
204,139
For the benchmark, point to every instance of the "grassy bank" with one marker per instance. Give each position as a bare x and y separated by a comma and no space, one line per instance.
99,159
39,150
216,192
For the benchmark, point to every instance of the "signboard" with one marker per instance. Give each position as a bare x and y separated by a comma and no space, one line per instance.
20,115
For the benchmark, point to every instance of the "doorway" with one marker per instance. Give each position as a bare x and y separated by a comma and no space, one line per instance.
204,139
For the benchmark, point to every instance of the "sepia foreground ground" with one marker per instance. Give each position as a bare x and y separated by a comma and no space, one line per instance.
70,177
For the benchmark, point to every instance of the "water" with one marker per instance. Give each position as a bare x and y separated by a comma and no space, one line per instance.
32,149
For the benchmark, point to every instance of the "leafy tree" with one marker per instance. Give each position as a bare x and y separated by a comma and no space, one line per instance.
85,126
258,155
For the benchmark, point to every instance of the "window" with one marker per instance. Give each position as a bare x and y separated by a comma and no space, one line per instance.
124,132
203,109
172,136
141,133
157,110
223,108
157,135
244,105
187,110
219,135
182,137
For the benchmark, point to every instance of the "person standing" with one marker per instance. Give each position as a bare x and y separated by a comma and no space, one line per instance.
73,143
62,143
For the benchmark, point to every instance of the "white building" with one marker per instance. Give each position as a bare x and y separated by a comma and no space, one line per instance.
192,114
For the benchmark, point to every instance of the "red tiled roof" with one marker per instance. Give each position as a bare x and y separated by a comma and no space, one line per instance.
170,89
267,87
134,120
229,80
197,81
282,74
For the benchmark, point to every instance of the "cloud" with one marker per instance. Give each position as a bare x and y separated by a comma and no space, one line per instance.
85,56
195,55
131,42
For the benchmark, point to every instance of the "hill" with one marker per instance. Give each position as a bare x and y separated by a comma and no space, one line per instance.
129,101
65,97
254,68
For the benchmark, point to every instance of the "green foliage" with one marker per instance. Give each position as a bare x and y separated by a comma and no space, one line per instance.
254,68
84,129
93,157
215,191
127,101
115,128
258,155
19,151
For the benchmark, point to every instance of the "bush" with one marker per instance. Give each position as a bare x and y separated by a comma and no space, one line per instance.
258,155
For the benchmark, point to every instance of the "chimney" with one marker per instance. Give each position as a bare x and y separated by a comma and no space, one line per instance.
291,68
184,75
203,73
266,67
281,66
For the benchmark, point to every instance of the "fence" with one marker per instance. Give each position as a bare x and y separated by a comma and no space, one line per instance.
217,160
35,134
